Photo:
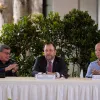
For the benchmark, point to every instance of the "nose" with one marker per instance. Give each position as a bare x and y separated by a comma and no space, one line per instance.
47,52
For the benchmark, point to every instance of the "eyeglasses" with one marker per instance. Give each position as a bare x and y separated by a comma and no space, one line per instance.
7,53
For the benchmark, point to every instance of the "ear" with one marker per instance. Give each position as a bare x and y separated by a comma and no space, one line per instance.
55,52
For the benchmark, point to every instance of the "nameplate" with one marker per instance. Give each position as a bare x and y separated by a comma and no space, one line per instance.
44,76
95,77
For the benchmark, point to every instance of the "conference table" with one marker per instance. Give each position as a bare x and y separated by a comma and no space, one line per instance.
29,88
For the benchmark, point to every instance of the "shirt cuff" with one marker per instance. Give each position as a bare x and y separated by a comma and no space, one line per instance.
57,75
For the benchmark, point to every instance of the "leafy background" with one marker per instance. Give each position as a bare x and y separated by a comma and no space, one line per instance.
75,36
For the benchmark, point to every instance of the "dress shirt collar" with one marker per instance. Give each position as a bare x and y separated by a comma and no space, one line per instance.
52,61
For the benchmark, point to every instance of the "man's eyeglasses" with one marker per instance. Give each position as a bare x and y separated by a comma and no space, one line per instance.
7,53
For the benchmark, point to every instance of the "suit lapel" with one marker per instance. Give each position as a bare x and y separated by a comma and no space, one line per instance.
54,65
44,64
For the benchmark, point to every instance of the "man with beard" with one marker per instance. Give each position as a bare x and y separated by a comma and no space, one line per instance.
8,67
94,67
50,63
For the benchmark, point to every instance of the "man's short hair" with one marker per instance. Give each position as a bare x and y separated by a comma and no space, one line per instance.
2,47
48,43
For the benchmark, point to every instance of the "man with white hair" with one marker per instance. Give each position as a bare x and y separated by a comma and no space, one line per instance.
94,67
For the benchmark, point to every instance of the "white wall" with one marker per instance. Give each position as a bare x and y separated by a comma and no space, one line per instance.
90,6
64,6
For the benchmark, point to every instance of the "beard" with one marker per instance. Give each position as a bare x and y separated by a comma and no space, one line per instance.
49,57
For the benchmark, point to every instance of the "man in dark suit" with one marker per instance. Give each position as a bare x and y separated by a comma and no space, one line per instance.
50,63
7,66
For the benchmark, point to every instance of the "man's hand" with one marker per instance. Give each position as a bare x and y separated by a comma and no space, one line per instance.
13,67
95,72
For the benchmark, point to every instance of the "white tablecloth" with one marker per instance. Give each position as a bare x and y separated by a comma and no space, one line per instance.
27,88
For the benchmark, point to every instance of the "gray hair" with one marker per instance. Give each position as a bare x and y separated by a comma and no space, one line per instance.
2,47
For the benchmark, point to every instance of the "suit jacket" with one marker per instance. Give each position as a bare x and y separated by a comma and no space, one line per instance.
58,66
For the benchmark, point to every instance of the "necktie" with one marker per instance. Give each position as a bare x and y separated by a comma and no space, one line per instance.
49,66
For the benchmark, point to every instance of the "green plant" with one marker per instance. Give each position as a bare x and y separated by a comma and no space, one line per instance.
25,42
82,34
26,38
52,30
74,37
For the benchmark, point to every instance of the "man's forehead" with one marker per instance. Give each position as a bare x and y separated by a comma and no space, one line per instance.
50,46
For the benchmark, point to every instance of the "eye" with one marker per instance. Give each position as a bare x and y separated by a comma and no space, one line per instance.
45,50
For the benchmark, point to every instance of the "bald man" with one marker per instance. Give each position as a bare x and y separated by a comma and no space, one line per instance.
94,67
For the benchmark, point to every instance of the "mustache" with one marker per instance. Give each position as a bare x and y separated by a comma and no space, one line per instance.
48,55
